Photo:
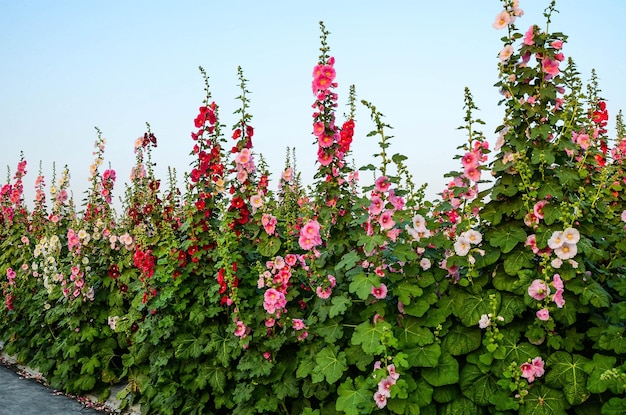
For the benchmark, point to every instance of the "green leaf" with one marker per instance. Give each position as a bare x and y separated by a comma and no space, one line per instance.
331,330
551,213
461,340
511,306
216,376
470,307
542,400
407,290
268,245
369,336
340,304
445,373
596,369
413,333
188,346
590,292
348,260
330,365
424,356
517,260
460,406
614,406
566,371
351,399
476,385
506,237
286,386
361,285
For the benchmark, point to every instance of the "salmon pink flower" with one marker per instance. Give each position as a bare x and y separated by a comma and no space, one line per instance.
505,53
550,66
382,184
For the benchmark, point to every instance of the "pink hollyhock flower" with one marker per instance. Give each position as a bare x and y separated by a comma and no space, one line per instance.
380,399
528,372
332,280
550,66
502,20
325,141
461,246
484,321
11,276
241,330
386,220
538,290
396,201
376,205
557,44
474,237
470,159
382,184
543,314
310,235
558,298
538,366
392,372
425,264
324,158
323,293
384,386
566,251
538,208
556,240
529,35
557,282
472,173
274,300
624,216
291,259
298,324
380,292
318,129
269,223
505,53
571,236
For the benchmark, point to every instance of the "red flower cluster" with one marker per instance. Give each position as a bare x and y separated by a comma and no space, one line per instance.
145,261
345,137
221,280
206,114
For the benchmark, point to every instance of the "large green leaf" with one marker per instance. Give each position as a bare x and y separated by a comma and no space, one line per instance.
445,373
590,292
596,368
476,385
352,399
188,346
506,237
461,340
268,246
424,356
407,290
460,406
361,285
543,400
567,371
517,260
413,333
370,336
469,307
340,303
330,364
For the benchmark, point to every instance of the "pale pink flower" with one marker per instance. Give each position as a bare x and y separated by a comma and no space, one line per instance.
461,246
502,20
384,386
380,399
538,366
558,298
556,240
505,53
538,290
473,236
571,236
425,264
543,314
269,223
484,321
419,223
380,292
557,282
256,201
392,372
566,251
624,216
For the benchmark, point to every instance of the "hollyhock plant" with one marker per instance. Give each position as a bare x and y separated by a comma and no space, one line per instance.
538,290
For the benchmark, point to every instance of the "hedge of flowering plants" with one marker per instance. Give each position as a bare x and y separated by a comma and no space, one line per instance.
505,296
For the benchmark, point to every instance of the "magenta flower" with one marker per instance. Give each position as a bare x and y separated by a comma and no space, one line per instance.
550,66
538,290
382,184
298,324
386,220
529,35
380,292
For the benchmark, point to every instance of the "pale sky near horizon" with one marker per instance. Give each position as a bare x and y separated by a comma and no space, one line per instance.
69,66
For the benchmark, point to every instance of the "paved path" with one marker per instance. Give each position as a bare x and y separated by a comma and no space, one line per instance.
19,396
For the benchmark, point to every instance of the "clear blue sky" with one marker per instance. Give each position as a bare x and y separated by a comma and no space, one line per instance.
68,66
